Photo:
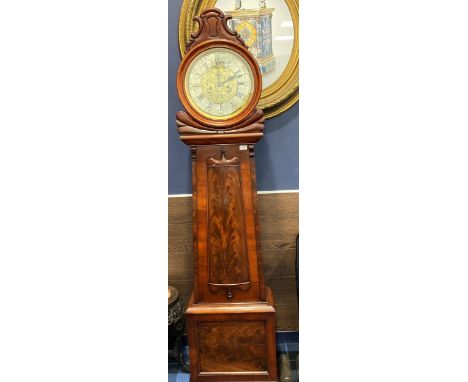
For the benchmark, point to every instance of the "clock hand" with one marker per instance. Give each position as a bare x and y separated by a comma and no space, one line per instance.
229,79
217,72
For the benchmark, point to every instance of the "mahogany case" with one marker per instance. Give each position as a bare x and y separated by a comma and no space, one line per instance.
231,313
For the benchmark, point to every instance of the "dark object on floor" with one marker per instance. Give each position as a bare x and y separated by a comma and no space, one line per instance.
176,326
285,368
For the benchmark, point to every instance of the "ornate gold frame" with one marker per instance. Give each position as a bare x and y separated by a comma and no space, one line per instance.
280,95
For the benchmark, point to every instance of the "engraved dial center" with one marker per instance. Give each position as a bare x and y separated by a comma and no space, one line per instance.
219,84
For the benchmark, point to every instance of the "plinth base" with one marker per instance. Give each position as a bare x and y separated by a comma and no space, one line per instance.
232,341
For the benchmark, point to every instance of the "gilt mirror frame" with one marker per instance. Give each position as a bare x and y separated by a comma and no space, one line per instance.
284,91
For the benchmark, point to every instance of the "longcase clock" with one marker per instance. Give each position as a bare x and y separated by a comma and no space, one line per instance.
231,313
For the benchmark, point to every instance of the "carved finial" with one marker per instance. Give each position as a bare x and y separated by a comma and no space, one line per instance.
212,25
238,4
262,3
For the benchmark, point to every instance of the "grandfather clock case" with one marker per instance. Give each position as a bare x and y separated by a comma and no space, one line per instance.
231,313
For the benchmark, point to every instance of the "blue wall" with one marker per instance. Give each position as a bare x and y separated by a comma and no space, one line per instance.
276,155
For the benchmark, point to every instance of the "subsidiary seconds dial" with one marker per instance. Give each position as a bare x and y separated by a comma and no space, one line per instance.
219,83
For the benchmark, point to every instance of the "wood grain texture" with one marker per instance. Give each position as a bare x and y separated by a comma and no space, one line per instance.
279,220
225,227
232,342
228,263
232,346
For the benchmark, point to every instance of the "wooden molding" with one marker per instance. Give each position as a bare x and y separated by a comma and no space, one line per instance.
194,133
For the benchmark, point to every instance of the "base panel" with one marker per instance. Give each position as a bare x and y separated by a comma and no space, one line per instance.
232,342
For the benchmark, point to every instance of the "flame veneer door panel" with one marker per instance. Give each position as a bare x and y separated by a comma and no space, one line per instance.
226,256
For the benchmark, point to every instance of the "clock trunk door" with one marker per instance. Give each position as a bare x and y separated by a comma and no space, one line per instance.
226,245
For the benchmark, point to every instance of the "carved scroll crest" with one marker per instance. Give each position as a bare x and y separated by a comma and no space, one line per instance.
212,25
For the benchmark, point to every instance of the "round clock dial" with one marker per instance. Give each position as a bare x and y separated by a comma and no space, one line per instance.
248,33
219,83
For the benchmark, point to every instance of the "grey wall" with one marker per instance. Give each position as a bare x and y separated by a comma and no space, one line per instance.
276,155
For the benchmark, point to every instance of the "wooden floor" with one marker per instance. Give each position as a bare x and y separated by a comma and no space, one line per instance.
279,225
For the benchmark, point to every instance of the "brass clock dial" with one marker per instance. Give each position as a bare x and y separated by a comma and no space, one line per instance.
219,83
248,33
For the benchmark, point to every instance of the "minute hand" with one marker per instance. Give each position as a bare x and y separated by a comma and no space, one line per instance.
235,75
